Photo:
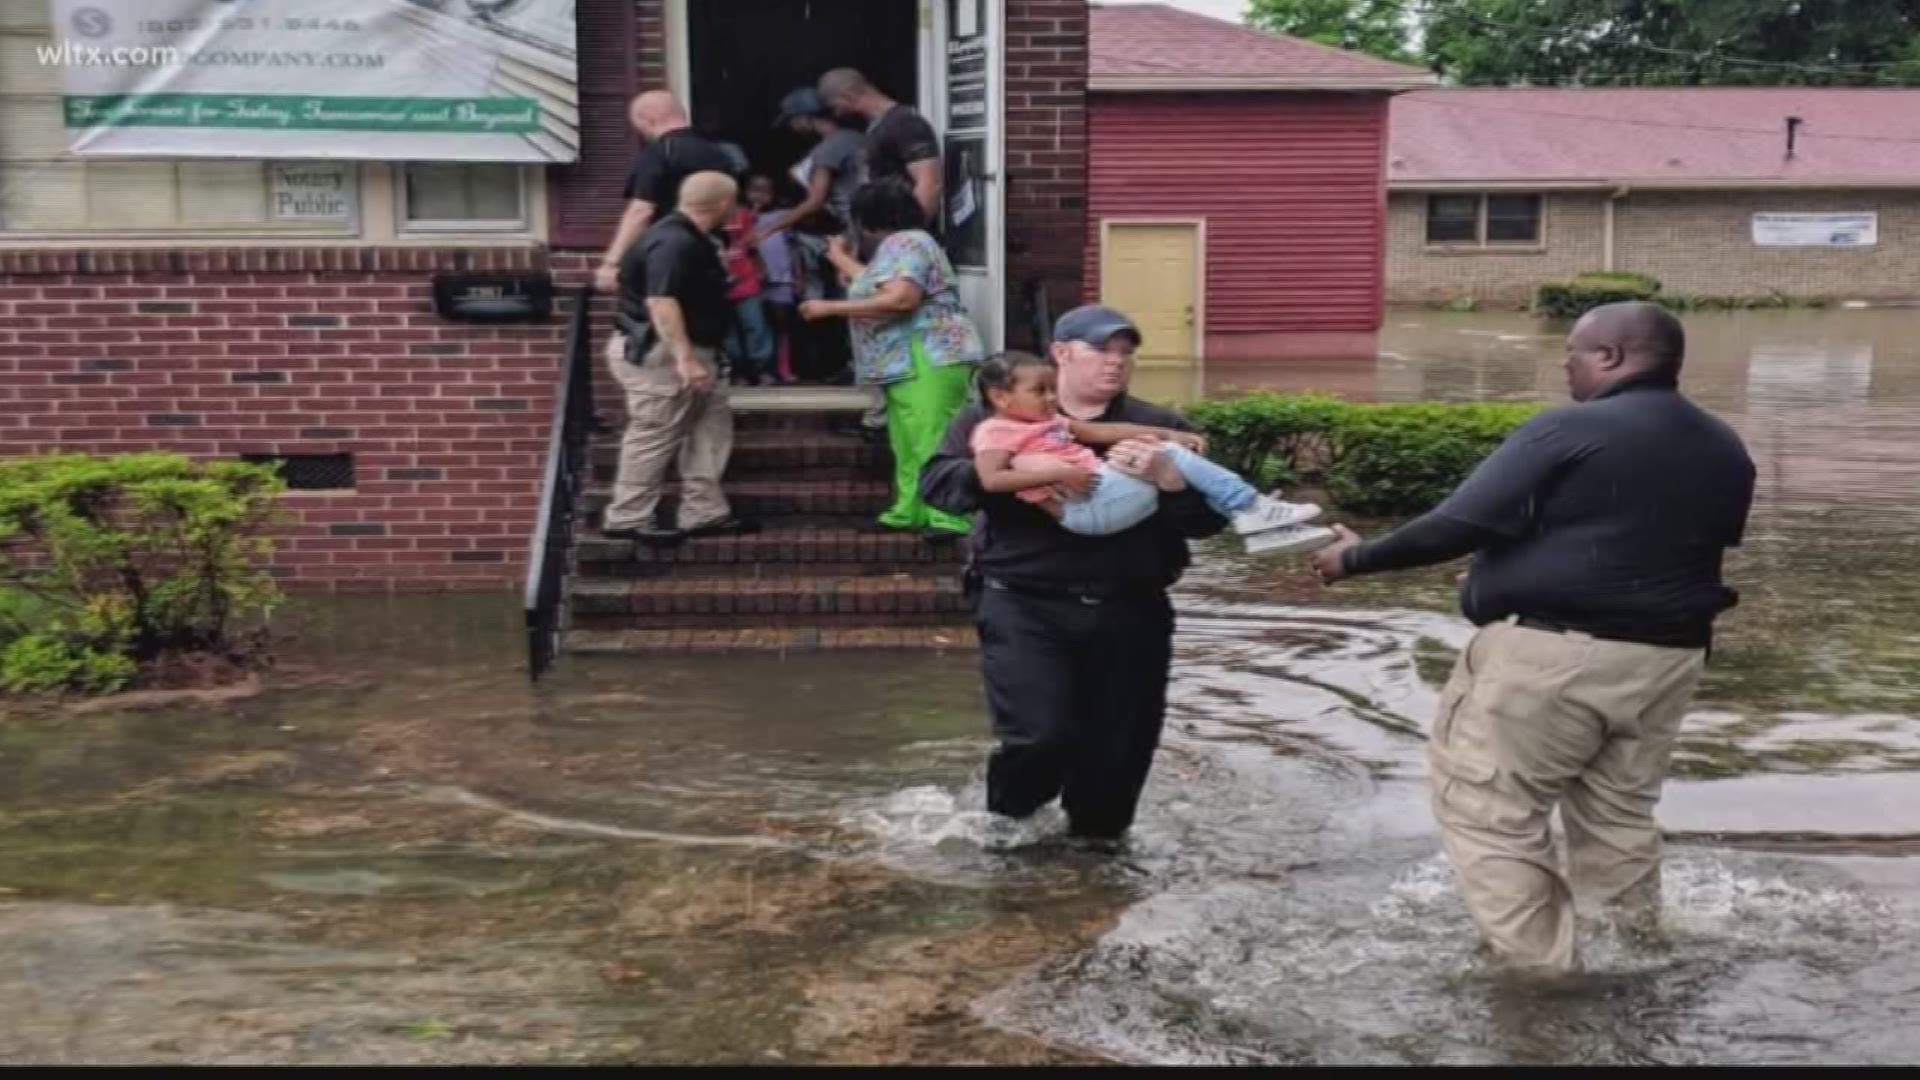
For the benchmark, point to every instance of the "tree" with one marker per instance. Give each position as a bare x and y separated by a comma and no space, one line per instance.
1380,27
1673,42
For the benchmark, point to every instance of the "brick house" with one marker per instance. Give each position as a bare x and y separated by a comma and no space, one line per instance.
1237,199
156,305
1716,192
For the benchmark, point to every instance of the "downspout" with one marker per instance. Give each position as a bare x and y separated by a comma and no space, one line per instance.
1606,228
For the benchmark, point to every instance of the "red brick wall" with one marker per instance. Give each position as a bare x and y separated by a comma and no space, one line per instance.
1046,182
218,353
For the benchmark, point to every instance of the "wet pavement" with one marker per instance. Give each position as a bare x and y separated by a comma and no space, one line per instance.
402,853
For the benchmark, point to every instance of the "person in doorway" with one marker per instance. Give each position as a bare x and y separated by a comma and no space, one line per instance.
673,152
674,314
750,342
1030,449
911,336
901,145
1076,632
776,258
832,171
1597,533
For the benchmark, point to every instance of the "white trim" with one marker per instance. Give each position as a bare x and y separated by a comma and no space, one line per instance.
679,53
1199,227
510,226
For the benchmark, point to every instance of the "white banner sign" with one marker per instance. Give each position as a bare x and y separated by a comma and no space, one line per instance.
1816,230
385,80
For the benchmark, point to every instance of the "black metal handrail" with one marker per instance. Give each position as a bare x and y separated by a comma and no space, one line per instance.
567,443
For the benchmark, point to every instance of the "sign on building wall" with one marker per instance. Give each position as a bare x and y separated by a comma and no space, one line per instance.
967,122
388,80
1816,230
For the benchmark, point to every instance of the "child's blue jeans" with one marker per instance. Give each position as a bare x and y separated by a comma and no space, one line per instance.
1119,502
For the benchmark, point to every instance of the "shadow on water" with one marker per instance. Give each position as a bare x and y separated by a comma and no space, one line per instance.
405,854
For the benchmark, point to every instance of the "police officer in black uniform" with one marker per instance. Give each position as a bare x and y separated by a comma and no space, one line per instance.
1076,632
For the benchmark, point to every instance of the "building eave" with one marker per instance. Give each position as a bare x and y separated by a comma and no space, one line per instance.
1214,84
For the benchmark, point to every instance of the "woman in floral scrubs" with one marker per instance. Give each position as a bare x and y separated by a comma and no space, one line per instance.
911,336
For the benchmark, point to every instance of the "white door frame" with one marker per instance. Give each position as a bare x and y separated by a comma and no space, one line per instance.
1199,227
931,100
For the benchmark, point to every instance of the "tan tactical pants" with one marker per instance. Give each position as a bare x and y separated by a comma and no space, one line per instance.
1532,720
667,422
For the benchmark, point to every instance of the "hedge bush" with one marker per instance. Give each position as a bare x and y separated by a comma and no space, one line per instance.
1572,299
107,563
1375,459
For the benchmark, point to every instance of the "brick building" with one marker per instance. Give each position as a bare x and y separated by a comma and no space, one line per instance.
1716,192
1237,197
157,305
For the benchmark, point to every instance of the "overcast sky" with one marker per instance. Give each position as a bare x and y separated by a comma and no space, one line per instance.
1231,10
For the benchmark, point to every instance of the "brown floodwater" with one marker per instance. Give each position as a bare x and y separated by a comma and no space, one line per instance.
403,853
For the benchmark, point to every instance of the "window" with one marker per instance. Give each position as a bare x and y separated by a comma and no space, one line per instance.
309,472
1484,220
463,196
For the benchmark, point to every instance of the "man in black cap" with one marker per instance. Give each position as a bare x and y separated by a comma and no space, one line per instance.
831,172
1076,632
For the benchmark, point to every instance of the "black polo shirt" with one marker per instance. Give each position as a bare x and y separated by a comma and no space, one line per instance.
1017,542
1611,517
664,163
898,139
675,259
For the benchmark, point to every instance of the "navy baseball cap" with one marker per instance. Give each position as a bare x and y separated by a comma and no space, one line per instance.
1094,324
798,103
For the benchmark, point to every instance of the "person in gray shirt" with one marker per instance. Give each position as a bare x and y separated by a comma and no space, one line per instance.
832,172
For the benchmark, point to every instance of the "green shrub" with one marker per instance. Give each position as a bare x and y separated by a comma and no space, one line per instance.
1404,459
106,563
1373,459
1572,299
1268,438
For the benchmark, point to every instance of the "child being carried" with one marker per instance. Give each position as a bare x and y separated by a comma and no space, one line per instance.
1031,450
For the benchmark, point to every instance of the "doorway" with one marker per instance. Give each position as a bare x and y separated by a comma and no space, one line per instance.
745,55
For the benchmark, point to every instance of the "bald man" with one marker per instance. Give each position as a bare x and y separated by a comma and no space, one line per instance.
1597,533
674,313
673,152
900,143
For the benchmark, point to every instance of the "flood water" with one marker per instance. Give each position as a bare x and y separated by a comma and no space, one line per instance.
403,854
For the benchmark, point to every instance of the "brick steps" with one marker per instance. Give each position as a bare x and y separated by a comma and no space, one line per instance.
819,503
791,549
816,578
726,603
787,455
767,639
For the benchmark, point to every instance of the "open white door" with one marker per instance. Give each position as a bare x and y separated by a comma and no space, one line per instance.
963,50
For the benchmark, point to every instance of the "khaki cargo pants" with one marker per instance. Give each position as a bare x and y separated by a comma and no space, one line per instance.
1532,720
666,422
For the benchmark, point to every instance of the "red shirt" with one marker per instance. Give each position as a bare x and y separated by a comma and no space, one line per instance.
743,266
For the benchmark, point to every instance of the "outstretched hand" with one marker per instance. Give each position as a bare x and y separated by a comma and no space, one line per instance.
1329,561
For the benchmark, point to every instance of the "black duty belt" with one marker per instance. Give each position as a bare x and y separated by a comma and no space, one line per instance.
1087,592
1546,626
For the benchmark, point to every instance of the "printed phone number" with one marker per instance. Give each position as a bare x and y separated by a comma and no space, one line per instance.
182,26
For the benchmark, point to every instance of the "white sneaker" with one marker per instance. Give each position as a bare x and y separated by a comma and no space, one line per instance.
1271,513
1290,539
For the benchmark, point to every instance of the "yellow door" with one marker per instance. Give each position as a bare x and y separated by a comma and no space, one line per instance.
1151,273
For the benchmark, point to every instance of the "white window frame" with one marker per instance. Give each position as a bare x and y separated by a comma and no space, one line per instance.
521,226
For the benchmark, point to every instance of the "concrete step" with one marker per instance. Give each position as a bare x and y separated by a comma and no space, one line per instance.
768,639
894,600
822,503
788,455
778,552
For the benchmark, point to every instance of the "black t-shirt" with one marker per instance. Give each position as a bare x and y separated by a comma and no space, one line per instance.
663,163
897,140
1610,517
675,259
1017,542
